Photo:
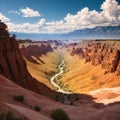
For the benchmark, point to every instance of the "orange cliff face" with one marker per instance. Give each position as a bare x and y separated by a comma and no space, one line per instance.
35,50
92,65
98,53
14,67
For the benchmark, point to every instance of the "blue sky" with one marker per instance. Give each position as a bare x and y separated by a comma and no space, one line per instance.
58,16
54,10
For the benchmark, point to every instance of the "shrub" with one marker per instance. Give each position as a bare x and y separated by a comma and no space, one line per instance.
59,114
9,116
19,98
37,108
2,116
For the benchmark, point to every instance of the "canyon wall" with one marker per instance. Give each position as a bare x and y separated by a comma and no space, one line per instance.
100,53
35,50
14,67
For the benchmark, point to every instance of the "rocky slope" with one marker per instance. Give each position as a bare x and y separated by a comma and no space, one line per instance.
13,66
84,109
99,53
35,50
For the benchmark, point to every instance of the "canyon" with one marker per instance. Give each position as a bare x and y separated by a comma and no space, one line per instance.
13,66
101,53
89,72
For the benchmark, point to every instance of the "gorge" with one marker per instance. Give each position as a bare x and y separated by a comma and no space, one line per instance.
87,78
52,79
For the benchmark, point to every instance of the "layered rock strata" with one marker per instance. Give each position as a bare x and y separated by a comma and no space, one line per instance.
14,67
98,53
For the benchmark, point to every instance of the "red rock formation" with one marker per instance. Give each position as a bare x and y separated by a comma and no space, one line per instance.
77,51
111,60
98,53
36,51
14,67
118,69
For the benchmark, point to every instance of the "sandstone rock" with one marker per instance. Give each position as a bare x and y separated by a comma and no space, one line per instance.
98,53
111,60
36,51
14,67
118,69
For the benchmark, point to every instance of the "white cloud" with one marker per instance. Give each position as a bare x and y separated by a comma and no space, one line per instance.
85,18
111,7
27,27
108,16
28,12
3,18
15,12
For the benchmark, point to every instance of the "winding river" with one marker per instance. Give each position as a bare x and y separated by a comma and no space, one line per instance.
52,80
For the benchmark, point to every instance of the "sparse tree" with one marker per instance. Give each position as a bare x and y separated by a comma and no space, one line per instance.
59,114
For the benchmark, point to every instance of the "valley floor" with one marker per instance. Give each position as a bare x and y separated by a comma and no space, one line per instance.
83,77
78,76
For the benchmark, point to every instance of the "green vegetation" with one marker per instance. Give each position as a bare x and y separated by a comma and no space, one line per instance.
2,116
65,67
50,74
58,80
8,116
59,61
19,98
64,86
37,108
59,114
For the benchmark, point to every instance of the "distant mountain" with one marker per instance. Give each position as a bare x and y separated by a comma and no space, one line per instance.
88,33
34,36
97,32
